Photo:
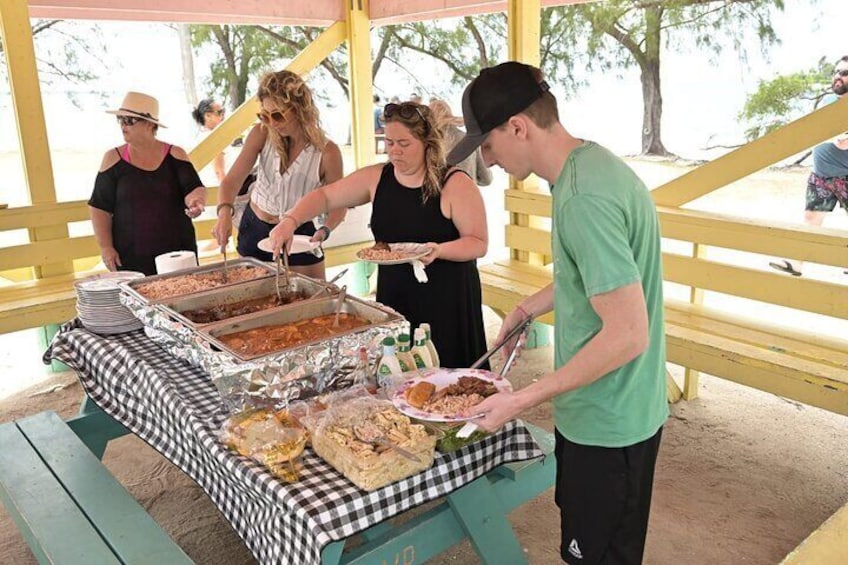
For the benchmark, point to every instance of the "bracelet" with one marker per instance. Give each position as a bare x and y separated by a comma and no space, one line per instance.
290,217
326,231
225,205
523,311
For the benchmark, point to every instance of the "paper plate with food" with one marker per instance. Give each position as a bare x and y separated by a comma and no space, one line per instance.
442,395
383,253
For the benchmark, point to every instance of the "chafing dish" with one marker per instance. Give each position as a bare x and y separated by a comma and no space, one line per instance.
300,288
131,287
373,312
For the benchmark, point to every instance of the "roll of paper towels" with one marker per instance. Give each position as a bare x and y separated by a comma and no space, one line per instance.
174,261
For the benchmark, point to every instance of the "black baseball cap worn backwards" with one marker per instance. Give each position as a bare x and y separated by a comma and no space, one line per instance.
497,94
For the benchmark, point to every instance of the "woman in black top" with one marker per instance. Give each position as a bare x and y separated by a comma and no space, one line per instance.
417,199
145,194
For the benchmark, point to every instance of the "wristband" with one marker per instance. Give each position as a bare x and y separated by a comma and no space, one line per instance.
326,231
290,217
225,205
523,311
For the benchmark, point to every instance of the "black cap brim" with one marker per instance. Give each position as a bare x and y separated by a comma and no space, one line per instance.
465,147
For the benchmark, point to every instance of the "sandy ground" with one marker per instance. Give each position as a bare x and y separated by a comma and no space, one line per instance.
743,476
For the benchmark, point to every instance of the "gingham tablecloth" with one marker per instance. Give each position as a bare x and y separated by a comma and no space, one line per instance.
175,408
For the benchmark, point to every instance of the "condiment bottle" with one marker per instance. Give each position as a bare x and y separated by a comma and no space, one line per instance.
431,347
362,373
420,353
389,364
404,355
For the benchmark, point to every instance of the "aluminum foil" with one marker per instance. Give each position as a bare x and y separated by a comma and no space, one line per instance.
272,380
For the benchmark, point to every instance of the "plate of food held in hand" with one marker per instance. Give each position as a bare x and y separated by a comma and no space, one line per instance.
442,395
382,253
299,244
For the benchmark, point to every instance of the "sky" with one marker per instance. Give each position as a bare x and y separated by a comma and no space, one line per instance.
701,99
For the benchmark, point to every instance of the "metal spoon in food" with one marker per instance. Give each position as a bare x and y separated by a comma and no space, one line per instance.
339,303
329,283
370,433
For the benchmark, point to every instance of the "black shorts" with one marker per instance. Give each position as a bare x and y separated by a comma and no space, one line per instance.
252,229
604,497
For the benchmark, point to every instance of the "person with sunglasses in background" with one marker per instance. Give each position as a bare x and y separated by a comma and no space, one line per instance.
417,198
295,158
827,185
146,193
208,114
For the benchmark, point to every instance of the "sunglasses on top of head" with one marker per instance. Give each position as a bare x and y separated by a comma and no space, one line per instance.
405,110
268,117
127,120
218,112
841,73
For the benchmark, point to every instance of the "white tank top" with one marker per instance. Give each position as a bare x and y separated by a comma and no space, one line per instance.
276,192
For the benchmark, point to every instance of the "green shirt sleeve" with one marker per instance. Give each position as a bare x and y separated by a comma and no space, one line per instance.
594,233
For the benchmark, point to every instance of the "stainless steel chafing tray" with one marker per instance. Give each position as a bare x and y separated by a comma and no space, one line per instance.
178,306
131,286
375,314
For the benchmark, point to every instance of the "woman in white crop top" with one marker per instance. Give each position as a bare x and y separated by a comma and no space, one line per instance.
295,157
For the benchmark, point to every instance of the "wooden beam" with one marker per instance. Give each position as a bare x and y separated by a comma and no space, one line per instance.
19,51
385,12
313,12
782,143
361,85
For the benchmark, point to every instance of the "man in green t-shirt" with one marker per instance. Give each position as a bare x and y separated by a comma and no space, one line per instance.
608,386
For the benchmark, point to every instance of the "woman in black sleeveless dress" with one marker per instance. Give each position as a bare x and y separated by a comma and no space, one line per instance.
417,199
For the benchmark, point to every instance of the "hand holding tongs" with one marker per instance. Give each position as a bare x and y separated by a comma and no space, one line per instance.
519,328
470,427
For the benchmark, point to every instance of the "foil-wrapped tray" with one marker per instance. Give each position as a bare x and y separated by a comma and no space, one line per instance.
374,313
183,308
273,379
132,286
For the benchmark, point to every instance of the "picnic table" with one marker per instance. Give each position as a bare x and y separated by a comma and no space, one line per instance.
176,409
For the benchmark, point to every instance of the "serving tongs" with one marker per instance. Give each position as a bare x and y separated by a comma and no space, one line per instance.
283,257
340,302
470,427
329,284
226,267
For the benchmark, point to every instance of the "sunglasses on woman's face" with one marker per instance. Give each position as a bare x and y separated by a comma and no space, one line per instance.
268,117
127,120
405,110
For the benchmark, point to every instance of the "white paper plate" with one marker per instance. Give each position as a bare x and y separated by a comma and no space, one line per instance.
299,244
411,252
442,378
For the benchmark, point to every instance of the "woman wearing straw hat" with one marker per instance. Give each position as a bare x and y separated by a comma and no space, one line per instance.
145,194
295,157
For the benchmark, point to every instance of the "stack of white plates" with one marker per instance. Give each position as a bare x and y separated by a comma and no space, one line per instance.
98,304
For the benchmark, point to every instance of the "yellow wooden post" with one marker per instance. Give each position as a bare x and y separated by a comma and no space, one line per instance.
361,87
696,296
32,132
524,31
245,115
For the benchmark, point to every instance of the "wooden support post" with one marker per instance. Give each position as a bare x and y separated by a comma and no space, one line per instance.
361,87
696,296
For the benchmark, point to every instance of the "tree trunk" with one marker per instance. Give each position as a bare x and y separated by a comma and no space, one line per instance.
188,64
651,94
652,111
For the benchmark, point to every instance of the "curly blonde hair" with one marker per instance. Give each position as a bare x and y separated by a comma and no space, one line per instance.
426,131
288,90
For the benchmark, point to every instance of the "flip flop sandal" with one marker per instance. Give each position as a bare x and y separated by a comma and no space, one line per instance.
785,266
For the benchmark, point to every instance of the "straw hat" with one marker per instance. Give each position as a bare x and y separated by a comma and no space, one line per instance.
138,105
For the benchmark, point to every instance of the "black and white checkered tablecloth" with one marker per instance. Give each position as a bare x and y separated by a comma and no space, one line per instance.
175,408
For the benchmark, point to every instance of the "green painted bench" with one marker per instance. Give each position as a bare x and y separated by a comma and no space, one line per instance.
67,505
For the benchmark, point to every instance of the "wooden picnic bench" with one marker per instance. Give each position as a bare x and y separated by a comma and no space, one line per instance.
68,506
802,365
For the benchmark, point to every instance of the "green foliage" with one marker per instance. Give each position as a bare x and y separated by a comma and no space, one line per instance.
783,99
